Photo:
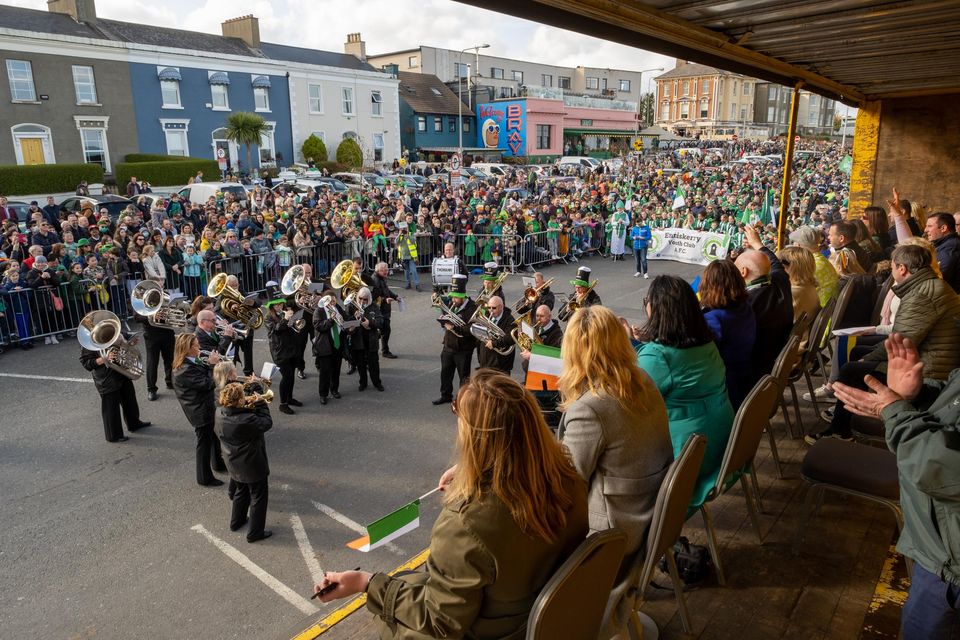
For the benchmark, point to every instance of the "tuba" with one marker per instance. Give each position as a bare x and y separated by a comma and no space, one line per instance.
530,295
231,302
575,302
483,329
294,283
150,300
346,278
521,339
448,315
100,331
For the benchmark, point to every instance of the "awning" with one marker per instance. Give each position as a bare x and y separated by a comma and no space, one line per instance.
261,81
607,133
169,73
219,77
465,149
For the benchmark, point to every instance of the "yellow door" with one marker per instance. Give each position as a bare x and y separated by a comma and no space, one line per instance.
32,150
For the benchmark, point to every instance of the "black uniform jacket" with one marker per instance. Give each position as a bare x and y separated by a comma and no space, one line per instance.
489,357
323,334
362,339
283,339
193,384
467,342
106,379
244,448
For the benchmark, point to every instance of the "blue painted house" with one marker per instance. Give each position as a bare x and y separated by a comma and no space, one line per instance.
430,117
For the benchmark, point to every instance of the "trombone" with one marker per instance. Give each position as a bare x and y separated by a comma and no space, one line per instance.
530,295
232,304
486,294
574,302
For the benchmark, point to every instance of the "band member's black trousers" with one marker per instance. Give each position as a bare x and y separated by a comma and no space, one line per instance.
451,361
245,347
111,404
385,335
287,372
367,361
305,337
208,451
328,368
252,496
157,347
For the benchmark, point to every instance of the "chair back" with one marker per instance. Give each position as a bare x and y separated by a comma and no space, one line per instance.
800,326
785,362
878,305
572,603
843,301
673,502
753,415
818,329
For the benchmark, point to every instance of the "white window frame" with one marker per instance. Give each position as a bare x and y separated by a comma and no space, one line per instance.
376,104
270,137
466,125
45,135
185,131
320,134
496,73
413,62
684,110
265,93
79,82
517,76
103,137
546,80
686,87
15,76
733,110
593,83
624,83
171,105
347,99
379,144
421,124
437,124
460,70
214,90
315,103
705,87
666,89
704,108
746,88
665,111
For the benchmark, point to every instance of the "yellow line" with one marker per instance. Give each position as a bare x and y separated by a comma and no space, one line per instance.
341,614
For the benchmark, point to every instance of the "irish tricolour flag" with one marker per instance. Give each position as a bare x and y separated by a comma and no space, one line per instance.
544,369
391,526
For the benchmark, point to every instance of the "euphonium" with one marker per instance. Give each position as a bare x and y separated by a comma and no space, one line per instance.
483,328
148,299
295,283
100,331
346,278
231,302
521,339
448,315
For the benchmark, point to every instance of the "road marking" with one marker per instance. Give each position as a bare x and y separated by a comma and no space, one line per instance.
32,377
325,624
351,524
282,590
306,549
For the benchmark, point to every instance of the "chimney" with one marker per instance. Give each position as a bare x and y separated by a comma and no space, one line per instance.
680,63
80,10
246,28
355,47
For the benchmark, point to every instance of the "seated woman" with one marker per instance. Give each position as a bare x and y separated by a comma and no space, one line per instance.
515,509
615,426
799,265
727,310
680,355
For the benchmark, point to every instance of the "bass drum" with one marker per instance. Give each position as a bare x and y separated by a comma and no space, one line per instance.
443,269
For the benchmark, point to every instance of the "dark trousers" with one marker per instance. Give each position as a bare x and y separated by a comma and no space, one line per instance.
385,335
304,338
111,404
930,612
328,368
245,348
157,347
366,361
250,496
852,374
287,373
451,361
208,451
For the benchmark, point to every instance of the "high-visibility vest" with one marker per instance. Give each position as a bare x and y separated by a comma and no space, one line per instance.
411,245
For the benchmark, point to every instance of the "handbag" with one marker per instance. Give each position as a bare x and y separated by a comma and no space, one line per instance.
57,301
693,561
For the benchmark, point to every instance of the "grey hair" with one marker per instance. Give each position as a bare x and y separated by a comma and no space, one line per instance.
380,265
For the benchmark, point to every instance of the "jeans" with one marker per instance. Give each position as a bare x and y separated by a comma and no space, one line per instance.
930,612
640,255
410,271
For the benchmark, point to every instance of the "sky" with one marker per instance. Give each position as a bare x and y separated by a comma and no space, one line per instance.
385,25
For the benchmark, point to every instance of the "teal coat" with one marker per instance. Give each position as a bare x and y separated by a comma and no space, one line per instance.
693,385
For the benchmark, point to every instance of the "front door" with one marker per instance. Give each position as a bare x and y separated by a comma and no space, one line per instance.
32,150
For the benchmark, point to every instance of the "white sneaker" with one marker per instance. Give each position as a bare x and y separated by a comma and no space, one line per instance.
53,340
46,340
636,275
822,392
646,276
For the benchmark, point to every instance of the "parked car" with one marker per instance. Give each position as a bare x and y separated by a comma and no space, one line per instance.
115,205
578,161
492,170
199,192
22,210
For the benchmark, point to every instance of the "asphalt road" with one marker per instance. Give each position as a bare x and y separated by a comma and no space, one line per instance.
101,540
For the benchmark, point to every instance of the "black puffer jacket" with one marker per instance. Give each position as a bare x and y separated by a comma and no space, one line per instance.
283,340
193,384
244,448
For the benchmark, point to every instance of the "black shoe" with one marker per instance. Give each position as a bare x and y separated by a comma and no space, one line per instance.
407,287
336,394
238,526
221,469
378,386
294,402
26,345
286,409
216,482
302,374
418,288
169,384
361,387
351,370
144,424
387,354
263,536
120,439
152,395
323,400
440,401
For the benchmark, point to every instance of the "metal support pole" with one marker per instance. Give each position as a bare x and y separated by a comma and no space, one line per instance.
788,167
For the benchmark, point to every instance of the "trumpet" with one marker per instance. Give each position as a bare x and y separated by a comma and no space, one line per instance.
241,334
574,302
204,357
448,315
232,304
252,400
530,295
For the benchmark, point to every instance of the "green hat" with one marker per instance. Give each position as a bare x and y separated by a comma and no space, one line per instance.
583,277
274,295
459,286
83,242
490,270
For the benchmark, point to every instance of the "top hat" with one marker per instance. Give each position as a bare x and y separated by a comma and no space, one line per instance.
274,295
490,270
459,286
583,277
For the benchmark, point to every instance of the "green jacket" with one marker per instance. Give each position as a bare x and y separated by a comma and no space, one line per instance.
924,434
928,314
482,576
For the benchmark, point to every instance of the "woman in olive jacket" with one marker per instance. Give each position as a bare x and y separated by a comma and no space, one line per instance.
515,509
243,421
194,386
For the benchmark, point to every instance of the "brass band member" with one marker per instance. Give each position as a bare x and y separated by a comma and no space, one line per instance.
548,332
487,355
244,346
365,339
458,343
193,383
491,271
385,297
546,296
581,287
285,343
243,421
158,342
116,393
303,338
328,347
199,304
210,336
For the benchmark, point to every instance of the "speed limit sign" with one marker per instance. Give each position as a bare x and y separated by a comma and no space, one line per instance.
455,161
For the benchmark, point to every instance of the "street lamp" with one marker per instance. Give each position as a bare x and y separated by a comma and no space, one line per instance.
640,94
476,49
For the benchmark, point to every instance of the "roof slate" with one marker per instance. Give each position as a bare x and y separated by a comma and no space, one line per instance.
692,69
417,90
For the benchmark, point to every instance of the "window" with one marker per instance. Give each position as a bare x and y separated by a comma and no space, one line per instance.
666,89
771,114
543,136
20,73
452,124
438,124
811,117
421,123
684,110
346,95
376,103
218,94
518,76
496,74
705,86
625,86
177,143
704,113
84,85
95,147
733,111
413,62
773,92
170,92
746,88
743,113
686,87
378,147
322,135
466,125
266,148
315,93
460,70
593,83
603,84
665,111
814,100
436,91
546,80
261,99
563,82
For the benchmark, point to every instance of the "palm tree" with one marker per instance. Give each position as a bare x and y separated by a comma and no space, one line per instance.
247,129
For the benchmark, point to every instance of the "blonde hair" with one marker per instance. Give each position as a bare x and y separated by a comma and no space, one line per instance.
597,357
926,244
505,448
846,263
232,395
224,373
181,349
919,212
799,265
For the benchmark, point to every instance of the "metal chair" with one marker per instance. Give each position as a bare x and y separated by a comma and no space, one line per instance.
878,305
783,366
572,603
752,417
669,514
818,333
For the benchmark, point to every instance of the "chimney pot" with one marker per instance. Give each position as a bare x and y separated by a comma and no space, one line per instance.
246,28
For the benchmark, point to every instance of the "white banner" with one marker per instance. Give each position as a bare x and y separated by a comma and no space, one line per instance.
687,245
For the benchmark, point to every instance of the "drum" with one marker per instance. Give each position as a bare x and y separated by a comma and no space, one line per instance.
442,270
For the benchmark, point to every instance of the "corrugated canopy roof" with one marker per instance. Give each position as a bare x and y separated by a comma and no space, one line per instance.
846,49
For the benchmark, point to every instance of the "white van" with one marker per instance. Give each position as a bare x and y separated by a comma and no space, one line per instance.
492,169
578,161
198,192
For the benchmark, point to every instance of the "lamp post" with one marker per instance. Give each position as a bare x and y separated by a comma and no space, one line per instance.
475,48
640,94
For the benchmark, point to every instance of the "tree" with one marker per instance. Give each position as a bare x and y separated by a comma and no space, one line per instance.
314,150
349,153
247,129
646,110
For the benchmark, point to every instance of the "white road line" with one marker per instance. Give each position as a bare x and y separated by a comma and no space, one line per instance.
351,524
282,590
306,549
32,377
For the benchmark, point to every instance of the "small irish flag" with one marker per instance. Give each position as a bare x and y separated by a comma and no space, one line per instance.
390,527
544,369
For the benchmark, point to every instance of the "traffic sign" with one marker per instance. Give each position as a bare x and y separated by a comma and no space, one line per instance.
455,162
638,144
221,153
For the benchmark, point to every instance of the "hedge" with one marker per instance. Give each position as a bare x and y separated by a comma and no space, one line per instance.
313,149
17,180
166,172
349,153
153,157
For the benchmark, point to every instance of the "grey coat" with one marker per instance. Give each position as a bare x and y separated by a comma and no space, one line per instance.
623,454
